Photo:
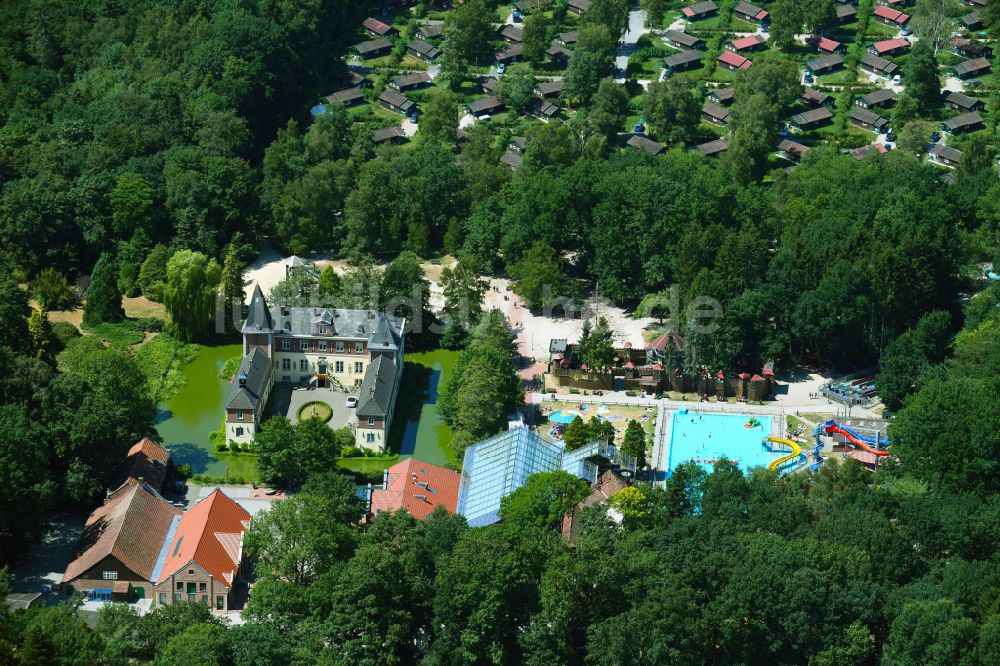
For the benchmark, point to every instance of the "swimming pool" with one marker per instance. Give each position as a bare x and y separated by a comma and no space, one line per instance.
704,438
564,416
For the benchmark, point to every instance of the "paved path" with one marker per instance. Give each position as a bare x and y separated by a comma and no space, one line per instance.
636,29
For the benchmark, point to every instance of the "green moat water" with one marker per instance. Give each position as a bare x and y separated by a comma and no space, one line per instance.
185,420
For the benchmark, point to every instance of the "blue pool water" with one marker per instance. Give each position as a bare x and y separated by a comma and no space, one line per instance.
705,438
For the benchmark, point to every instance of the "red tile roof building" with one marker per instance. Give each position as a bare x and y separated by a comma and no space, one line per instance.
205,555
890,16
122,541
418,487
147,462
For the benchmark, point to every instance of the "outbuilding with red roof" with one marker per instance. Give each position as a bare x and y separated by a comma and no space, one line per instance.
204,559
418,487
734,61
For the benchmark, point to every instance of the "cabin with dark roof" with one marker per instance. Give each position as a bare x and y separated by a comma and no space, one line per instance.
486,106
970,68
512,159
971,48
945,155
867,120
349,97
715,114
640,142
374,48
877,65
712,148
813,98
883,97
566,38
723,96
751,14
429,32
825,64
396,102
682,40
846,13
508,55
700,11
388,135
971,21
684,60
812,119
792,150
549,88
577,7
423,50
410,81
558,54
959,102
542,109
510,33
967,122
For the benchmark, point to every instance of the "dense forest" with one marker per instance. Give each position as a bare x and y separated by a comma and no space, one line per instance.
148,144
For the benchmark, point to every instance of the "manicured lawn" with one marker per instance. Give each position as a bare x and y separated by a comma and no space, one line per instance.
418,429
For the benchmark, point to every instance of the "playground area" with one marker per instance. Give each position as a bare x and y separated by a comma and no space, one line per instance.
856,389
557,415
704,438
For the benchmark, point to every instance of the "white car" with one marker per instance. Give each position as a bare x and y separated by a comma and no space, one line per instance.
896,80
352,401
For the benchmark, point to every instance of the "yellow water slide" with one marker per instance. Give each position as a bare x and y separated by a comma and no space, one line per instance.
796,450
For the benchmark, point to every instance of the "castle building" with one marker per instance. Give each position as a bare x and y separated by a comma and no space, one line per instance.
318,348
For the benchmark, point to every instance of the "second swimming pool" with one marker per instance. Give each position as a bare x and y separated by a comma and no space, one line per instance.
705,438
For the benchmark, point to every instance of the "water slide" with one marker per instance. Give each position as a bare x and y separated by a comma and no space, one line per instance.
860,441
796,450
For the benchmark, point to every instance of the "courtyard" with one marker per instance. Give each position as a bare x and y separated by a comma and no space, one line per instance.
288,400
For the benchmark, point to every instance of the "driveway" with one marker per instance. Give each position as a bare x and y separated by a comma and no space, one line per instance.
46,561
636,29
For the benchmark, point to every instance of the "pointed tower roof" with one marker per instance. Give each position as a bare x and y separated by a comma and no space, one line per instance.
259,316
384,336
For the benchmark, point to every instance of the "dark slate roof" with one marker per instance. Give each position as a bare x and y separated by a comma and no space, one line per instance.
254,371
512,159
393,98
880,96
373,45
385,335
387,134
643,143
259,316
946,152
877,63
375,396
867,117
682,58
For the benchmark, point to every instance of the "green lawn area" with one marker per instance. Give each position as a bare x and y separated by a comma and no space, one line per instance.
418,429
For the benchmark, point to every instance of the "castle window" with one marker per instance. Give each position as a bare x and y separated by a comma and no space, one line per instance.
286,364
359,367
239,415
109,575
239,431
304,345
322,345
322,329
371,420
339,365
303,365
359,347
286,344
340,346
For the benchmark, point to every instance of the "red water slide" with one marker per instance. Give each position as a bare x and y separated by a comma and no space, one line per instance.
833,428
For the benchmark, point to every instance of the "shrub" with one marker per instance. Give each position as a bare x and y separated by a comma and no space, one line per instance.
222,446
63,331
351,452
53,291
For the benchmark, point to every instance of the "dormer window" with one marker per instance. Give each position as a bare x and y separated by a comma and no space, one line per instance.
371,420
323,330
239,415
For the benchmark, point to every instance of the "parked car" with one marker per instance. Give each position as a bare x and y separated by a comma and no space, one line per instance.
516,16
906,32
935,136
896,80
413,117
890,135
638,128
501,67
352,401
872,79
808,78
